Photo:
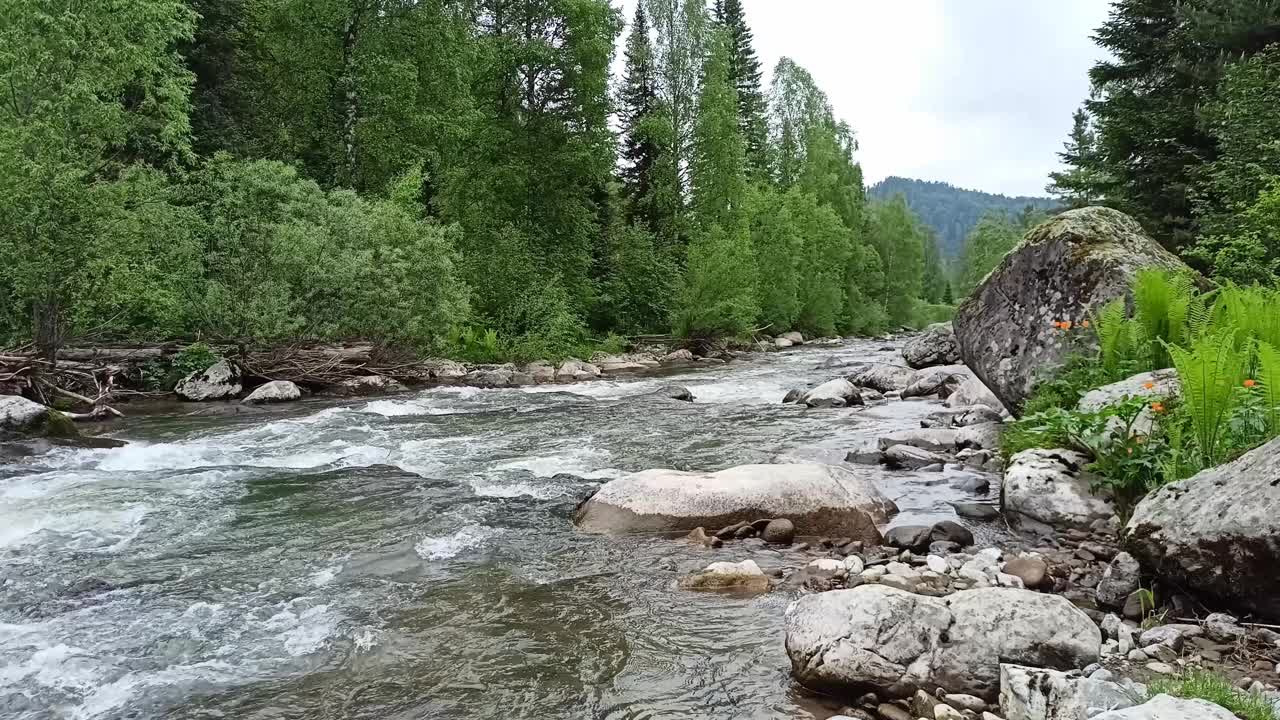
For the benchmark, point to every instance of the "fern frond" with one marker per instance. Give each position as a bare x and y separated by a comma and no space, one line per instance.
1210,370
1269,379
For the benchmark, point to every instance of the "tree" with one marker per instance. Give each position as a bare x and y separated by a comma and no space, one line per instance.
90,87
639,115
777,243
1081,183
993,237
797,107
745,74
898,238
935,277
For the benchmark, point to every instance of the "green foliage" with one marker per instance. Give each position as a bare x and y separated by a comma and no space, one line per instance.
1217,689
165,373
777,244
991,239
1268,360
717,297
1210,370
1079,185
1162,303
899,239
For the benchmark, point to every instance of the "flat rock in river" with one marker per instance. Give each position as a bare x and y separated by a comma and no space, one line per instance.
884,377
1165,707
1072,264
818,499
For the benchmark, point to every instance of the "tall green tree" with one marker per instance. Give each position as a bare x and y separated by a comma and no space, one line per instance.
933,284
993,237
718,296
640,117
745,73
898,239
1080,184
797,107
89,88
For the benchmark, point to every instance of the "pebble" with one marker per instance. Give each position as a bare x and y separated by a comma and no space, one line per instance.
1137,656
1162,668
937,564
965,702
854,565
893,712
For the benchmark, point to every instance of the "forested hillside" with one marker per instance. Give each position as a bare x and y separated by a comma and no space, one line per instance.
427,173
953,212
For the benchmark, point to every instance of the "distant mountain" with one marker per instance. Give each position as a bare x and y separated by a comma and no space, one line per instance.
951,211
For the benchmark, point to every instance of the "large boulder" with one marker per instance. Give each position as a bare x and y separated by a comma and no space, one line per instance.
972,393
20,417
571,371
1075,262
935,346
884,640
276,391
884,377
837,393
1039,694
1051,486
218,382
941,381
1218,533
818,499
1166,707
491,376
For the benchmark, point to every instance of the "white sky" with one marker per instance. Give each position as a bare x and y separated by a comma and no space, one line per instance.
977,93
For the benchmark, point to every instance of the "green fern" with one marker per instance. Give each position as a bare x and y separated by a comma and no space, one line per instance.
1210,371
1269,380
1162,302
1114,337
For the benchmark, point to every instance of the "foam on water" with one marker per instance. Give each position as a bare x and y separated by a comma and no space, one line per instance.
444,547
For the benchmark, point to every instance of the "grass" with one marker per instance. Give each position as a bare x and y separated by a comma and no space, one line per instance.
1216,689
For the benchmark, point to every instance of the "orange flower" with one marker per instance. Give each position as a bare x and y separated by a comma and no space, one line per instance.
1157,407
1066,325
1149,386
1085,323
1250,383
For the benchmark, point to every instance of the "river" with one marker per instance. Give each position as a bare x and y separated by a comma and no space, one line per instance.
412,556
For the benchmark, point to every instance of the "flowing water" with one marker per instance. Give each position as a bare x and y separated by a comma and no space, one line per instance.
411,556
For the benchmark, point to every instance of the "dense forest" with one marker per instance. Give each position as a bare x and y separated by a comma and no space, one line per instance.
458,176
1182,131
951,212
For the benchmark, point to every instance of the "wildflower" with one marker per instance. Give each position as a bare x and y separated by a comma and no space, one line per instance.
1250,383
1085,323
1066,325
1149,386
1157,407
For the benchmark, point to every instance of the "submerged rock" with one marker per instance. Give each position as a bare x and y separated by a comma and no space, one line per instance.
962,417
1071,264
818,499
371,384
1216,533
217,382
935,346
276,391
1051,486
925,439
910,458
894,643
744,576
675,392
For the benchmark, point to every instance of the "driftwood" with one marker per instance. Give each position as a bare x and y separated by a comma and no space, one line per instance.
86,384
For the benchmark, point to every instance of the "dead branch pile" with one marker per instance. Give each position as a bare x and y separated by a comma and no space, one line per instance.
332,365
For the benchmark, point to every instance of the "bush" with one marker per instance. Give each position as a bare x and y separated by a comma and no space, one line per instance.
717,297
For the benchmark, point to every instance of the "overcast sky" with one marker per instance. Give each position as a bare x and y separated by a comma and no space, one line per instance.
977,93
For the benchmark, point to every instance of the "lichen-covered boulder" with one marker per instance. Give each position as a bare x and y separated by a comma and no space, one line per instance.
1075,262
818,499
219,382
894,643
1218,533
935,346
20,417
1051,486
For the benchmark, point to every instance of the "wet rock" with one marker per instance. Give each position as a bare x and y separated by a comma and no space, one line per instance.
818,499
744,532
793,395
779,532
679,356
1030,570
972,393
20,416
970,482
932,440
935,346
1215,534
834,394
1121,578
980,437
950,531
744,576
908,537
976,510
371,385
911,458
730,531
961,701
892,712
571,371
219,381
1077,261
277,391
698,536
939,381
897,643
675,392
1052,487
962,417
1036,694
943,548
884,377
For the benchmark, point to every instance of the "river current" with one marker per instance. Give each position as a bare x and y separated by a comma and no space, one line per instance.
412,556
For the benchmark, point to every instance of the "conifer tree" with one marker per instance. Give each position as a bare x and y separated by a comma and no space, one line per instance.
745,73
1081,183
639,101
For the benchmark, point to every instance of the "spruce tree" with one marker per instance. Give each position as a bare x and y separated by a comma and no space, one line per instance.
745,74
1081,183
639,101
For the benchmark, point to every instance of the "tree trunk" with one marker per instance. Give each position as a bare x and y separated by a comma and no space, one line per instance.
46,325
349,90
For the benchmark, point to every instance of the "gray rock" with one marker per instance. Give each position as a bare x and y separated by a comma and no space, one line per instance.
1075,262
884,378
795,337
896,643
1036,694
976,510
908,537
679,356
371,385
571,371
940,381
935,346
782,343
1051,486
911,458
793,395
491,376
218,382
936,440
834,394
818,499
448,371
542,373
980,437
1174,636
1215,534
1030,570
675,392
973,392
276,391
1121,578
961,417
1165,384
743,576
779,532
21,416
1223,628
950,531
1165,707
